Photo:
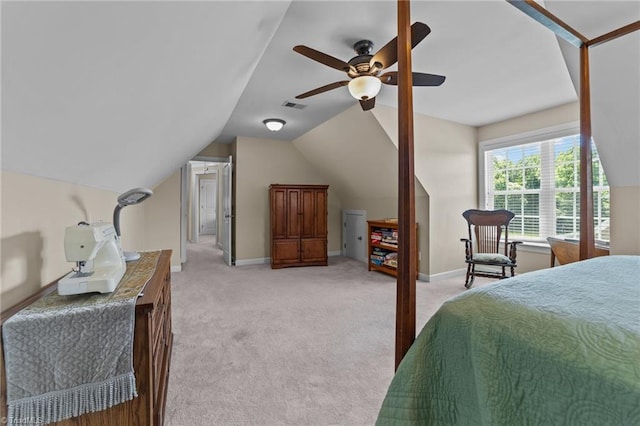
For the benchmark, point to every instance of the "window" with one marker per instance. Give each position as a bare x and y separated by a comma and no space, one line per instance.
537,177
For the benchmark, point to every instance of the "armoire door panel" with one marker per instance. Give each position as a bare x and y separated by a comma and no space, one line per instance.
279,213
293,209
314,249
308,213
286,251
321,216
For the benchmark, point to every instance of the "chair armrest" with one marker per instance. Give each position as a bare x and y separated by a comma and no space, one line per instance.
468,248
512,250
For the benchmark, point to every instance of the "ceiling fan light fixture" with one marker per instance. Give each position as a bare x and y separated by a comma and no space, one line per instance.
364,87
274,124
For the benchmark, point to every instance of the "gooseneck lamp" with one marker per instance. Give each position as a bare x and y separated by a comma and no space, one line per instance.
133,196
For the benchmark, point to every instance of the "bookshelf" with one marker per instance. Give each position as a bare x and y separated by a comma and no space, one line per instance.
383,246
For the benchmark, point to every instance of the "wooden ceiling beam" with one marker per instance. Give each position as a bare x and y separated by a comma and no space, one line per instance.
627,29
549,20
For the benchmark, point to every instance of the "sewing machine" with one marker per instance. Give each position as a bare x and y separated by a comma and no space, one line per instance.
99,259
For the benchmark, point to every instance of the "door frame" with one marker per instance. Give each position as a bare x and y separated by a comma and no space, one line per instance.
186,188
363,213
228,213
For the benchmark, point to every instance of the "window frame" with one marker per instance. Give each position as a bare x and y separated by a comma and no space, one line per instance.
539,135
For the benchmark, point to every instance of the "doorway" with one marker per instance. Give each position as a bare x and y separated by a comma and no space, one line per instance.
206,205
354,234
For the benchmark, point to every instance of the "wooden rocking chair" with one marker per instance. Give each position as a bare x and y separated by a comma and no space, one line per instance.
485,245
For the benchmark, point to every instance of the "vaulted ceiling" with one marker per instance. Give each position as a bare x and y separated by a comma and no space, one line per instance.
121,94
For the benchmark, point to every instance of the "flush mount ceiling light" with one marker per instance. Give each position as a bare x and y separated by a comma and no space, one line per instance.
274,124
364,87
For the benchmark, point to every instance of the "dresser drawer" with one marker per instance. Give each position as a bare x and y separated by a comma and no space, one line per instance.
157,317
157,363
161,337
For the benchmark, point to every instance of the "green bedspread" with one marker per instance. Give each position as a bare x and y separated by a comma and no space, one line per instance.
559,346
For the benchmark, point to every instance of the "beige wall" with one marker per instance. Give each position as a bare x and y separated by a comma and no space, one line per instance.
562,114
162,218
358,150
259,163
35,213
446,165
221,150
625,226
355,153
529,260
384,208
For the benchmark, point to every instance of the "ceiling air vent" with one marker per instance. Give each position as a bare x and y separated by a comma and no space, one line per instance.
290,104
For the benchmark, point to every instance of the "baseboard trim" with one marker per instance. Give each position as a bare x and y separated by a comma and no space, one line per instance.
267,260
446,275
176,268
257,261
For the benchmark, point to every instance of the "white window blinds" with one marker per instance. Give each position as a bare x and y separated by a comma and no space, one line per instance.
537,177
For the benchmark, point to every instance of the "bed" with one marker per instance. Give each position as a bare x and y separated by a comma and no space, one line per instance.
559,346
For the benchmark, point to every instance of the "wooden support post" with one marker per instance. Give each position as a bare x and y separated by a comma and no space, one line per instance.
587,241
406,278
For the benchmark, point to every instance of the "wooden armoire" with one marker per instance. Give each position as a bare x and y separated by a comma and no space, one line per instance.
298,225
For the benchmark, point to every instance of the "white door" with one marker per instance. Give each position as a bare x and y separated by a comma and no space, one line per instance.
207,206
227,183
354,240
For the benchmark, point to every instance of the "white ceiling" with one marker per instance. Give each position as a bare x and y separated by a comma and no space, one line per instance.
499,64
93,90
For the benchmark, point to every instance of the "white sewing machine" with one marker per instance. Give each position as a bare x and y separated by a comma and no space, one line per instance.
99,259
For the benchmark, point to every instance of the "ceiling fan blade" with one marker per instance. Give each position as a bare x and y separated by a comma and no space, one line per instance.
388,55
323,58
419,79
322,89
368,104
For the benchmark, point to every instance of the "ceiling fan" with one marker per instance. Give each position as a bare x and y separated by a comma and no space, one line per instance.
365,68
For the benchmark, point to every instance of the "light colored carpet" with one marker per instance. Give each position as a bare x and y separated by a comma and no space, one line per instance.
296,346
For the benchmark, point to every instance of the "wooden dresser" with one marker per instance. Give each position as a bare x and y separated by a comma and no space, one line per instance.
298,225
153,340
